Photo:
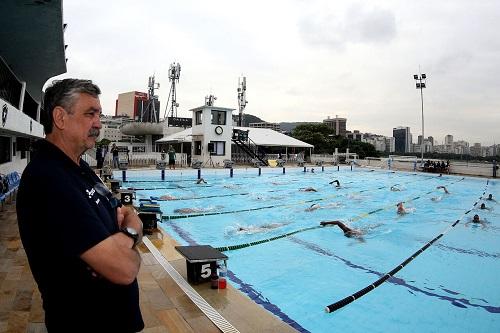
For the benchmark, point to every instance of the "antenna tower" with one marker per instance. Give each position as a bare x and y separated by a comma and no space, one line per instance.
150,114
174,73
242,98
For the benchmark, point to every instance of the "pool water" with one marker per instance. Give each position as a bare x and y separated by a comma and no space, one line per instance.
450,287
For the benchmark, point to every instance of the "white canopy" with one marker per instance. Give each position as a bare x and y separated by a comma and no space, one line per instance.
261,137
179,137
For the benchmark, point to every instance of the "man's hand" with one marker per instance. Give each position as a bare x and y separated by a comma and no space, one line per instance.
130,219
120,216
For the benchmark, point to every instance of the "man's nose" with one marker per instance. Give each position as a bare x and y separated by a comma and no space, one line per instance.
98,123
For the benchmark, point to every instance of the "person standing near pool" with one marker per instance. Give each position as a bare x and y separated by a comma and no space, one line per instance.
114,153
80,244
171,157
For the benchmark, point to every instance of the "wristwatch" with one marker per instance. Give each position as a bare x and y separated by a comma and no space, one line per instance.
132,233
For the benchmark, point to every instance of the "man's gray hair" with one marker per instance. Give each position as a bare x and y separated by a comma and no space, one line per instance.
64,93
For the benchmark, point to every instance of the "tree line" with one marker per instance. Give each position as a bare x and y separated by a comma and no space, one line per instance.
325,141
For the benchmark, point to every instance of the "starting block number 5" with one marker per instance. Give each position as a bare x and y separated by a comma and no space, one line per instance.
205,271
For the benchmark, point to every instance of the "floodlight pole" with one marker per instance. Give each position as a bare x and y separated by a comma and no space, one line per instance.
421,85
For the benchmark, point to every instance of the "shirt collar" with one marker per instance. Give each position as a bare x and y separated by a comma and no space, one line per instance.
55,152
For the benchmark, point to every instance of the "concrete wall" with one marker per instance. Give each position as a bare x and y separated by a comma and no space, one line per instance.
17,164
17,123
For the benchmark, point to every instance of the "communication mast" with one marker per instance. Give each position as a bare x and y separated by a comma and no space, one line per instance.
151,112
210,100
174,73
242,98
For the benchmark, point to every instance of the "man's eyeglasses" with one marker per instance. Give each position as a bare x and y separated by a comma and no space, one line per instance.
105,192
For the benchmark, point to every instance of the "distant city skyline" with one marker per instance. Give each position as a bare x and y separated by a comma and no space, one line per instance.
304,60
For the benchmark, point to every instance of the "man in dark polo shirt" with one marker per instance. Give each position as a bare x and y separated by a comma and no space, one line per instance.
80,244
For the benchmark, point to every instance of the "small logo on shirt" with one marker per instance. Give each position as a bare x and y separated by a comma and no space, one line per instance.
90,193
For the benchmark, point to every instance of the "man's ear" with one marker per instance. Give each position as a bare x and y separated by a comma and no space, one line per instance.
59,117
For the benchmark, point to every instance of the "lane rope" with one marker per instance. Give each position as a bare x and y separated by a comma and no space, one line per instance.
356,218
175,217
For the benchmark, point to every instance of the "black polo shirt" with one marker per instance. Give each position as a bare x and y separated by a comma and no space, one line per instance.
60,216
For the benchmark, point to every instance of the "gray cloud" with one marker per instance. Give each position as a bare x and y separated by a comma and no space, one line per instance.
357,25
304,59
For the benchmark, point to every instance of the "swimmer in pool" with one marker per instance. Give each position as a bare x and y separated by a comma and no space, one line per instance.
348,232
261,228
483,206
166,197
490,197
187,210
401,209
476,220
444,188
394,188
308,189
197,210
312,207
201,181
335,181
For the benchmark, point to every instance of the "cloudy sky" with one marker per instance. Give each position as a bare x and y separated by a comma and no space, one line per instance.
304,60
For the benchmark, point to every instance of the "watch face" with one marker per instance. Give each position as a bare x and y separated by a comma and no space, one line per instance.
132,231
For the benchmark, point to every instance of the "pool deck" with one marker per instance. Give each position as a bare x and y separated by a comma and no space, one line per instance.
165,307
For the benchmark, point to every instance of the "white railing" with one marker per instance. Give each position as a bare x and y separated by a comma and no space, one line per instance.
326,158
457,167
140,159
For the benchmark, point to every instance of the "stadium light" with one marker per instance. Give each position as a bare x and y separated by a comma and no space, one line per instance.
420,84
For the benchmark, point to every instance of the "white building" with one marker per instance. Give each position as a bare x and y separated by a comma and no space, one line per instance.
428,147
461,147
273,126
390,144
380,142
211,134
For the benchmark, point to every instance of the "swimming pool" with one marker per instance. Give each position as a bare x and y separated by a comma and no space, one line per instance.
452,286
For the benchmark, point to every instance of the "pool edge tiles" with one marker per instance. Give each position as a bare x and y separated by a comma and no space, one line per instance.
247,289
